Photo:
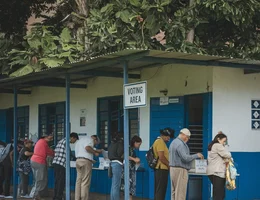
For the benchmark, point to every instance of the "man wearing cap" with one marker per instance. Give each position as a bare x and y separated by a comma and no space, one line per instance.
24,167
84,151
59,165
39,165
161,172
180,163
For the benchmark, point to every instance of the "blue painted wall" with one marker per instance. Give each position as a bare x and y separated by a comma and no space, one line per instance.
3,125
248,186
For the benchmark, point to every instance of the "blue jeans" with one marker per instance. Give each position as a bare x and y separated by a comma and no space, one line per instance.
116,181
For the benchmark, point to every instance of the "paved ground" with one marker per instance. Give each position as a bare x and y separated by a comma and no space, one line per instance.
93,196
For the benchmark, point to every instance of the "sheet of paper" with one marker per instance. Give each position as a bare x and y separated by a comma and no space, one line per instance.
105,154
201,166
137,165
101,163
73,164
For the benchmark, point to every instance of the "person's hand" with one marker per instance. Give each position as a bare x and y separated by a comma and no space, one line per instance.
99,150
200,156
96,154
137,160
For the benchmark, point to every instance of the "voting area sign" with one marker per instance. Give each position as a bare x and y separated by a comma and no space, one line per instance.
135,95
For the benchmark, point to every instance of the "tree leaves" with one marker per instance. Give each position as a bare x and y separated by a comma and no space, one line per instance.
227,28
135,3
22,71
65,35
53,62
47,51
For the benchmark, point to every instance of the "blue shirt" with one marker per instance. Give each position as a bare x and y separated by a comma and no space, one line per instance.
180,154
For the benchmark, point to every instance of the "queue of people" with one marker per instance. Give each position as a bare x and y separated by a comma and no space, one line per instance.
178,160
175,161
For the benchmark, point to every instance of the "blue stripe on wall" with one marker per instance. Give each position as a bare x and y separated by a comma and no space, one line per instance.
248,165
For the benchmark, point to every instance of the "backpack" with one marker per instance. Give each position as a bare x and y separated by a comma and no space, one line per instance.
4,151
150,158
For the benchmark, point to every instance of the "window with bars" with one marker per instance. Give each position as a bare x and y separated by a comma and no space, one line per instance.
195,122
22,121
52,119
111,119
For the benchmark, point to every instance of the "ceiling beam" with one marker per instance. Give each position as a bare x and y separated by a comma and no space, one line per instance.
199,62
55,84
249,71
109,74
11,91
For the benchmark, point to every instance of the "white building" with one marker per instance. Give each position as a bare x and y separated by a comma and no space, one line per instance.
206,94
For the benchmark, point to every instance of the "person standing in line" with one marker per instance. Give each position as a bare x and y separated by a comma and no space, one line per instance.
218,156
2,147
24,167
39,165
116,156
161,171
84,151
180,163
59,165
135,143
6,170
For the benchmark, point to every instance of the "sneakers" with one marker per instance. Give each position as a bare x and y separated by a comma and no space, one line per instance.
8,197
26,196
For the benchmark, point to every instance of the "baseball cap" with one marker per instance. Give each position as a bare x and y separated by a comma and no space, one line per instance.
186,131
167,132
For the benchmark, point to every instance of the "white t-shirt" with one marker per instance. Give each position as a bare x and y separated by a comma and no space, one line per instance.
80,148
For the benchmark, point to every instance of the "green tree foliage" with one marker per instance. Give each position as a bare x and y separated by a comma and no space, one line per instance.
42,49
221,27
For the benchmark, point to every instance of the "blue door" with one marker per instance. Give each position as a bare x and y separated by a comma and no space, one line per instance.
171,115
3,125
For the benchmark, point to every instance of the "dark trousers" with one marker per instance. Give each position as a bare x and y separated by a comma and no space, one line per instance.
160,183
218,183
60,178
24,183
5,178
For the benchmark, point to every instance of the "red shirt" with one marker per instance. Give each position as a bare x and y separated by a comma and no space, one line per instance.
41,151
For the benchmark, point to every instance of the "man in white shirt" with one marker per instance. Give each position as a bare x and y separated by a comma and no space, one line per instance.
84,151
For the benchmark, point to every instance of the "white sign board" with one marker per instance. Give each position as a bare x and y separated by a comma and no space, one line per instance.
135,95
201,166
164,101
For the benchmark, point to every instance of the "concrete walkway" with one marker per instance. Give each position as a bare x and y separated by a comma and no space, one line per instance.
93,196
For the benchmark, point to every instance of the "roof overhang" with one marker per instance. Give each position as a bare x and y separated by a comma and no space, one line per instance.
111,65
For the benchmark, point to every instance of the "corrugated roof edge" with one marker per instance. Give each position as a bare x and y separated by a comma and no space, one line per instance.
125,52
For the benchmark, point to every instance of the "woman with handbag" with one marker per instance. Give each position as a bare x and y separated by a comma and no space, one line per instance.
24,167
218,156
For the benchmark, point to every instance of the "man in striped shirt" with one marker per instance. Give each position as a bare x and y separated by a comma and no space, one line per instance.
59,164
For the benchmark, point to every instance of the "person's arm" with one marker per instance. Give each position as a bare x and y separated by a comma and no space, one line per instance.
91,150
162,158
159,147
99,150
120,150
184,156
222,151
28,153
11,156
50,152
136,160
